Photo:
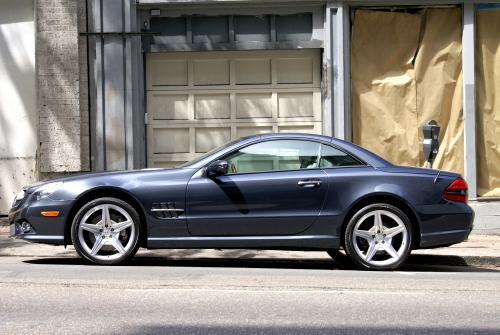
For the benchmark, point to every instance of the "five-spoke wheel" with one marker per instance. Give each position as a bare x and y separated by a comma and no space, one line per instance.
379,237
106,231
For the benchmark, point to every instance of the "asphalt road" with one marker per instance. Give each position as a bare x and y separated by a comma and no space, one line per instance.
62,295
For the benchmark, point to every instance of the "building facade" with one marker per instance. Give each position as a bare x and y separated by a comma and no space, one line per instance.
127,84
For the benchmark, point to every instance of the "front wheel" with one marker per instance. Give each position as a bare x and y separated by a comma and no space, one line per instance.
379,237
106,231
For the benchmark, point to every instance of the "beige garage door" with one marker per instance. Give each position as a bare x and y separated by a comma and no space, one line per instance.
200,100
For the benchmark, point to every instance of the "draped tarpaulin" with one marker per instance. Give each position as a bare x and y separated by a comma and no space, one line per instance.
406,69
487,104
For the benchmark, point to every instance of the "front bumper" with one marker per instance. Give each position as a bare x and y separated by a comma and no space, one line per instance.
50,230
16,231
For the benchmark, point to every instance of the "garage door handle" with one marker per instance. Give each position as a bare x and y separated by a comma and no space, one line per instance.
310,183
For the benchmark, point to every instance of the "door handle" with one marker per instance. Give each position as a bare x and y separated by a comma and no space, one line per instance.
310,183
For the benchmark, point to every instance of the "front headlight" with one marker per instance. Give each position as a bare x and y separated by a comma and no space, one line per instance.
46,190
18,198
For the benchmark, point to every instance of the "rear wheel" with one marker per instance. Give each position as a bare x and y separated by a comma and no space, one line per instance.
379,237
106,231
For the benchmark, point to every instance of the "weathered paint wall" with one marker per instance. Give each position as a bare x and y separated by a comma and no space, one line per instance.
62,87
18,114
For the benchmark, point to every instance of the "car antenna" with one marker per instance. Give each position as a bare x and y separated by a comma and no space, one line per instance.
435,179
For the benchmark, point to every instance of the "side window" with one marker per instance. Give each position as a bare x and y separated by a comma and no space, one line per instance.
274,155
333,157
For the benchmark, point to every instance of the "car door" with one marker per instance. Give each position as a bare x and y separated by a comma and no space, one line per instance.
272,188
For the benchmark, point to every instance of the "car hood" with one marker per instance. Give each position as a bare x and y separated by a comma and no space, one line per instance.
89,175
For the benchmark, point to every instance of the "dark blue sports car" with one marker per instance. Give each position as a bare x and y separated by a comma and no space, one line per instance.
272,191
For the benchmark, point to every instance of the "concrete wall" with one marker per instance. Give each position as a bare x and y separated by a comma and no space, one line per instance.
487,220
62,75
18,114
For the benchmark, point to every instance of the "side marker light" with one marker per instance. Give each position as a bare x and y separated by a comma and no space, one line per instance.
53,213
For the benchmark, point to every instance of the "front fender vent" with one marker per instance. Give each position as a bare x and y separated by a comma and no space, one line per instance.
166,210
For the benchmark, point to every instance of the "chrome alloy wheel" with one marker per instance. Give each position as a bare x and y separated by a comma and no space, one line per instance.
106,232
380,238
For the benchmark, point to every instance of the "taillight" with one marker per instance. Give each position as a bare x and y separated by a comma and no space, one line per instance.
457,191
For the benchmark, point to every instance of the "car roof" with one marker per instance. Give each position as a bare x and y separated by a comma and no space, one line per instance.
296,136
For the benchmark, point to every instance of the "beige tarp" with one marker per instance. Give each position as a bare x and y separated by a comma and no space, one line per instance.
487,106
405,70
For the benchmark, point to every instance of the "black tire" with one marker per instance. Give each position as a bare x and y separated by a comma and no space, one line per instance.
113,240
379,237
339,256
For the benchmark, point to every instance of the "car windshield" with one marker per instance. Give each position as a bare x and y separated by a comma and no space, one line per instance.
197,159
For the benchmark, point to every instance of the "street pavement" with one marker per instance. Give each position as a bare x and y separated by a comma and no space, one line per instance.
158,296
478,251
50,290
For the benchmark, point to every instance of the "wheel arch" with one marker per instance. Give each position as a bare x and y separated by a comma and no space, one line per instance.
105,192
387,199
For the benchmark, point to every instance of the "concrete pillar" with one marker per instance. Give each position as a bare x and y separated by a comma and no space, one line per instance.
62,78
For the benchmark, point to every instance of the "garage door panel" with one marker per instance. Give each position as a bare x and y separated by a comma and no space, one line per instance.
296,104
170,140
211,72
212,106
170,106
295,70
169,73
228,95
210,138
253,71
254,105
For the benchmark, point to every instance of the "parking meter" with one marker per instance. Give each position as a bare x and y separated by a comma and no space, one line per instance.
431,142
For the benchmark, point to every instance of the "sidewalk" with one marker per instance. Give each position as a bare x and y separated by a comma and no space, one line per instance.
479,250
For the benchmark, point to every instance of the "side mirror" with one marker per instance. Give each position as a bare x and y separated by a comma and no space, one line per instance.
217,168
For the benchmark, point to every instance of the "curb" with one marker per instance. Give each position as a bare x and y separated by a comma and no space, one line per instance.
305,263
475,261
467,261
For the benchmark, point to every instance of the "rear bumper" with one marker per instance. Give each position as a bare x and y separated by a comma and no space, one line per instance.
451,224
443,238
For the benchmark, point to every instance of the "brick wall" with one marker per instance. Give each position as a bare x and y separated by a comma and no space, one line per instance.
62,78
